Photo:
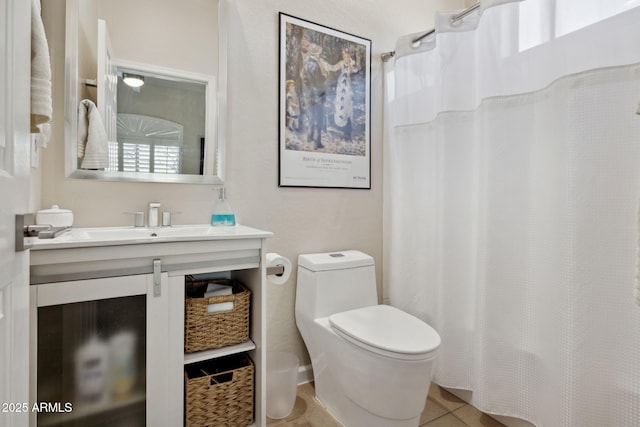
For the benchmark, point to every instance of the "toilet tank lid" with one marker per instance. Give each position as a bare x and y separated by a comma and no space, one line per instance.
334,260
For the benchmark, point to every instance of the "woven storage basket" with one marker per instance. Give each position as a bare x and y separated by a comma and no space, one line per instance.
221,399
204,330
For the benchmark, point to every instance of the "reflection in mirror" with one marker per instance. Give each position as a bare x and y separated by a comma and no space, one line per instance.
169,127
161,122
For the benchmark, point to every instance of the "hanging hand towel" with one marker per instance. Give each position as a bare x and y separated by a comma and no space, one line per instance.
93,146
41,103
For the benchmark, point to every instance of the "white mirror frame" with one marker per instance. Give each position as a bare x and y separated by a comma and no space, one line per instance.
216,112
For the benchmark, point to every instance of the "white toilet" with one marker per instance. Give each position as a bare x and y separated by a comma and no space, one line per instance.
371,363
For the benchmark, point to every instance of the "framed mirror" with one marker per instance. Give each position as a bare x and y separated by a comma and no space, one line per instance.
145,90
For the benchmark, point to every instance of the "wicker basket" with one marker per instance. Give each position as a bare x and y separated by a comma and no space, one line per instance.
224,398
204,330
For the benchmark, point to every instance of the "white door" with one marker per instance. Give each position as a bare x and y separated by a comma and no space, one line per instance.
14,198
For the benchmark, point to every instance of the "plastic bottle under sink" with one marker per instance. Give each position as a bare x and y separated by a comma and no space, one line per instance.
91,369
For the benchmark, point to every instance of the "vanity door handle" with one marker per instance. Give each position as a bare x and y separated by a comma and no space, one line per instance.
157,278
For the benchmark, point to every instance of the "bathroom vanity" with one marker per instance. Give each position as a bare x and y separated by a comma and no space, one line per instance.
133,281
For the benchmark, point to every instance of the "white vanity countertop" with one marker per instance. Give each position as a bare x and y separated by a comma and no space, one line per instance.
115,236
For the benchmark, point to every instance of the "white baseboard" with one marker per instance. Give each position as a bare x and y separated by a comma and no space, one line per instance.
305,374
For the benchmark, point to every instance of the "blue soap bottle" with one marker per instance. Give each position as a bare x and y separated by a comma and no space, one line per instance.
223,214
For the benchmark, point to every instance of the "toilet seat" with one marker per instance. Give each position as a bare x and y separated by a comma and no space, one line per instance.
387,331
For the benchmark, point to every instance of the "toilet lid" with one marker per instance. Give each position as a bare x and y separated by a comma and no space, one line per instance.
388,329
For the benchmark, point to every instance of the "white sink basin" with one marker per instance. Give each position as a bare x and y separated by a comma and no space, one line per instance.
117,233
108,236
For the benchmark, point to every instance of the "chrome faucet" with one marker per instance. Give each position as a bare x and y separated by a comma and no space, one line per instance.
154,214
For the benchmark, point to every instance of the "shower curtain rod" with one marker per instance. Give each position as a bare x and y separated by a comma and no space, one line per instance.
386,56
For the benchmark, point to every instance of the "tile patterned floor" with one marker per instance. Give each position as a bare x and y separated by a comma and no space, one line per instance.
443,409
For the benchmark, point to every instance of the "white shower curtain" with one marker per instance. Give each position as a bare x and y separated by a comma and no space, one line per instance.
512,180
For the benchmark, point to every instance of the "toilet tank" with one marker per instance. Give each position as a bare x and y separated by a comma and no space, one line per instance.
334,282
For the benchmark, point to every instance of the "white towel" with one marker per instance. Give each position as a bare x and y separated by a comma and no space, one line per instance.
221,306
41,102
216,289
42,139
93,146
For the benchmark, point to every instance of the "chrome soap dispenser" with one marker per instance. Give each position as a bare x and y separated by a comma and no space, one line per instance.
222,213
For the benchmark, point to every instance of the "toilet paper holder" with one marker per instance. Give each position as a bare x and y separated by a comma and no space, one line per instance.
277,270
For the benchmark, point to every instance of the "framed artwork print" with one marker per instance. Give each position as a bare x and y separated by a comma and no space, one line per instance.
324,107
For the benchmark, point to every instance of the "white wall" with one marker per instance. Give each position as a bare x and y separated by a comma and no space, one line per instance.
303,220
